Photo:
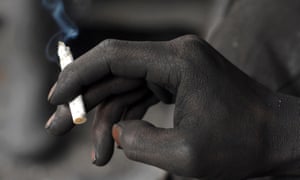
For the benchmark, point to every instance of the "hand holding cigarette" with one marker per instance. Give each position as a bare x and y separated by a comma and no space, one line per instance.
222,118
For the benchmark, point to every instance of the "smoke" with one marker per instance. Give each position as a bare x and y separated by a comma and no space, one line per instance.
68,29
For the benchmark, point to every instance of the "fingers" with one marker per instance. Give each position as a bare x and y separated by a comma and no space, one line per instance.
61,121
113,86
143,142
111,112
107,114
146,60
108,85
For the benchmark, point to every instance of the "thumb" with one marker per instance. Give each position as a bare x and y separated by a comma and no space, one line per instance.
143,142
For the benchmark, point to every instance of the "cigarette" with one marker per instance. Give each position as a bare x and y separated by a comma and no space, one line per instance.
76,105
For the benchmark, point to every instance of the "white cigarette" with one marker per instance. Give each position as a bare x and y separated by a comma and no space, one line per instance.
76,105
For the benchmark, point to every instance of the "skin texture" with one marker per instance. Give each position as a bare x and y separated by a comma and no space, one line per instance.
226,125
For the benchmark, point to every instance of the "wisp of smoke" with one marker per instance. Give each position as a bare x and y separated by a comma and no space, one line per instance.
68,30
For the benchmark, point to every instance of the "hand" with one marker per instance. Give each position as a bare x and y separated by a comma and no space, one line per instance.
222,119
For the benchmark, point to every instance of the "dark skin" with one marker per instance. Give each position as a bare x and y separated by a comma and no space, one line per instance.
226,125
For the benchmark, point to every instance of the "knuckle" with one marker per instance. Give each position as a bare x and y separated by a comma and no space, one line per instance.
193,41
109,43
191,37
109,48
192,52
188,47
189,40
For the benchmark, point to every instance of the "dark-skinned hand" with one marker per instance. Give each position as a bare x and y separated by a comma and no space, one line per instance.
226,126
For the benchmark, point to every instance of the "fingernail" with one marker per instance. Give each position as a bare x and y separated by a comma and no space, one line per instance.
51,92
49,122
93,156
116,132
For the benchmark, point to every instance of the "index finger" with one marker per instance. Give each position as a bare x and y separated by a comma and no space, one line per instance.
146,60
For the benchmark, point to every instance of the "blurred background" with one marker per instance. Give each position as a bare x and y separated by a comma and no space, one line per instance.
26,151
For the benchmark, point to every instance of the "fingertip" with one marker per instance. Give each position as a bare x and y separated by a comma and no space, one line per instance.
58,131
55,98
52,99
64,90
103,145
49,122
93,156
60,122
102,153
51,92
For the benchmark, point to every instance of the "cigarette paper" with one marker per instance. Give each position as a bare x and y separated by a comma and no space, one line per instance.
76,105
